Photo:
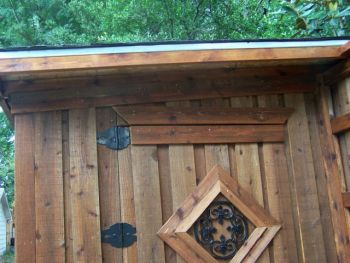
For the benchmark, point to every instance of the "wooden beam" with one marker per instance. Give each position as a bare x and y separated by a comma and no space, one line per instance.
333,175
337,73
341,123
110,94
159,115
206,134
346,199
103,61
345,50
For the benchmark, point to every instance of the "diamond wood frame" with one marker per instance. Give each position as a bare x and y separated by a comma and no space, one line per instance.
175,231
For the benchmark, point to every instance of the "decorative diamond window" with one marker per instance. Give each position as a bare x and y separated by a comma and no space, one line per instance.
219,222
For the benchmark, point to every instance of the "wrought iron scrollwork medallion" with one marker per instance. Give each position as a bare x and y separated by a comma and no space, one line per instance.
221,245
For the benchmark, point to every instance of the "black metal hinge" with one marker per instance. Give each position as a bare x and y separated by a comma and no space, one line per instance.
119,235
115,138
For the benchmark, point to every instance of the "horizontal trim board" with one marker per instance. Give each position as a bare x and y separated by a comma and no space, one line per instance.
341,123
144,135
126,94
346,199
159,115
100,61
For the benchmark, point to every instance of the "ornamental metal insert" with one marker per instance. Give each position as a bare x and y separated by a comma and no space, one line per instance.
221,230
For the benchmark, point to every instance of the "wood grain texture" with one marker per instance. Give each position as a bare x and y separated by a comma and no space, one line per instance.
340,123
346,199
216,154
147,203
127,202
277,193
333,175
67,188
84,186
24,185
310,236
108,184
182,170
341,95
158,115
166,195
321,180
247,155
43,64
206,134
49,209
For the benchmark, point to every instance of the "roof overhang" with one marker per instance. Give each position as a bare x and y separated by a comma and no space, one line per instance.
56,63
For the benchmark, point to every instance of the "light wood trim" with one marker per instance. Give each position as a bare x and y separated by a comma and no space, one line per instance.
159,115
341,123
261,245
346,199
249,244
174,231
206,134
101,61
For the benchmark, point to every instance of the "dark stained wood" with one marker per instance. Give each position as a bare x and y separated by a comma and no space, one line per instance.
346,199
111,94
158,115
333,175
24,189
105,61
336,73
341,123
49,208
94,79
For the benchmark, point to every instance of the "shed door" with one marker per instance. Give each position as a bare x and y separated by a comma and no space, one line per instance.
143,185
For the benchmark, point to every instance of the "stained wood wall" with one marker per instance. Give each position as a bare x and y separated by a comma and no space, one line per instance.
68,188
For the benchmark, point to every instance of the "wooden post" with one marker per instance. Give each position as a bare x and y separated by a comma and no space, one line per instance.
330,155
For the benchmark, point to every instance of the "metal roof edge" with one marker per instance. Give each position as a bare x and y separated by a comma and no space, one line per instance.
168,46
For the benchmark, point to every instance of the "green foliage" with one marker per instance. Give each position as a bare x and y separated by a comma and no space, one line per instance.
319,18
59,22
6,158
8,257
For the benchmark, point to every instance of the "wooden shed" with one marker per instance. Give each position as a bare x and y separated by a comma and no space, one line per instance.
181,152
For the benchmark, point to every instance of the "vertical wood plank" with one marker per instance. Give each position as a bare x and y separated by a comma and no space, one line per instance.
48,173
278,196
84,186
108,175
248,166
24,185
342,106
321,181
127,203
216,154
166,195
311,242
333,174
67,189
147,203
